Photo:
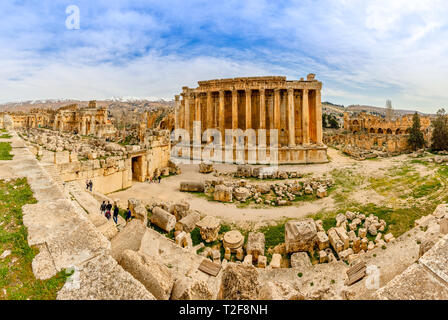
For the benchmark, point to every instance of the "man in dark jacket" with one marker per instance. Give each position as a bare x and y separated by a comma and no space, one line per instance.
103,207
116,211
128,215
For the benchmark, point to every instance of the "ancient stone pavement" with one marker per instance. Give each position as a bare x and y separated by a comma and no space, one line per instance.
66,238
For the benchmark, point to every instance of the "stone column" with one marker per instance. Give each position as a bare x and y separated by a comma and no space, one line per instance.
305,118
248,109
177,112
208,122
221,118
197,115
234,109
318,117
262,109
277,109
291,127
187,112
197,108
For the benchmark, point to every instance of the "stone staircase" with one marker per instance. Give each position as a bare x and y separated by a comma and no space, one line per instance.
54,174
85,200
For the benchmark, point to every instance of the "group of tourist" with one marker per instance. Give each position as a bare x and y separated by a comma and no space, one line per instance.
106,210
155,179
89,185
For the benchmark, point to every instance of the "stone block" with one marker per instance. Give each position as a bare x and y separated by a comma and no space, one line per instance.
262,261
300,260
163,219
322,240
188,223
192,186
156,277
300,235
276,261
255,244
323,256
209,228
248,260
223,194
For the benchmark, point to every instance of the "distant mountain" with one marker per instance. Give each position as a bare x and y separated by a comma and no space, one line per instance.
131,103
380,110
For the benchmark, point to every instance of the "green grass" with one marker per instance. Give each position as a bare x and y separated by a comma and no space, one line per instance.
16,275
347,182
398,220
6,136
5,151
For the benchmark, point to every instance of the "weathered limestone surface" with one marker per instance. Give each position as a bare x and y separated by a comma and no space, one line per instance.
67,239
239,282
71,239
163,219
192,186
300,235
300,260
414,284
189,289
255,244
436,259
209,228
156,277
279,290
103,279
188,223
223,193
181,210
129,238
183,262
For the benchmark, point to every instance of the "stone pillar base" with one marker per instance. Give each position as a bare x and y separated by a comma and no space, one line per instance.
309,154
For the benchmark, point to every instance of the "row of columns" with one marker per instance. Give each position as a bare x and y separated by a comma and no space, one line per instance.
193,103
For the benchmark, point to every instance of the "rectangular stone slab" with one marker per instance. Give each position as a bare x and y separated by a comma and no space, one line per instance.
210,267
356,277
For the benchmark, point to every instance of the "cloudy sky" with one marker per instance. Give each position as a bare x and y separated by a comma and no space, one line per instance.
364,51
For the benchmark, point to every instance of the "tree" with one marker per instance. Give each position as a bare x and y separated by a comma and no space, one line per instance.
333,123
324,120
416,139
439,140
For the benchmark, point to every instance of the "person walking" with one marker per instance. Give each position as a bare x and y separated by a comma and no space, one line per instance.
103,207
91,185
160,178
108,210
87,184
128,215
108,206
116,211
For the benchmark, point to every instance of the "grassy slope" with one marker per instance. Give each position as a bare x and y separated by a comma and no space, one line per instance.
5,151
17,281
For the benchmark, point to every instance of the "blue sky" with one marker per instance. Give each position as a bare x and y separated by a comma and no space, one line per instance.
364,51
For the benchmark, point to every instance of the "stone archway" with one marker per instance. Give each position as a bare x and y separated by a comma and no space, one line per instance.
380,130
389,131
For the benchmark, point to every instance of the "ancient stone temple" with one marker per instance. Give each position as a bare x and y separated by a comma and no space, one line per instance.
292,107
91,120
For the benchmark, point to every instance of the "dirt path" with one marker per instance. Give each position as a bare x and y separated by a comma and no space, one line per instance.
168,190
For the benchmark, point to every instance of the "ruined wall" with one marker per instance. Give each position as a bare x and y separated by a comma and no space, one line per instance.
111,167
